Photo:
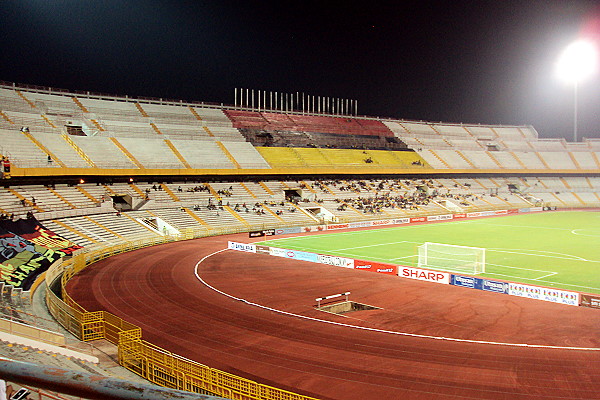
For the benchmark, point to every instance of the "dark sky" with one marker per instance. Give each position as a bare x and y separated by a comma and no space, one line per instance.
453,61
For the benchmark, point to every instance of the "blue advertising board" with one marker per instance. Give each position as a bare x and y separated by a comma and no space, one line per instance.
479,283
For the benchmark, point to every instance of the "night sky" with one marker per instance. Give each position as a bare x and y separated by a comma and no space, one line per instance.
486,62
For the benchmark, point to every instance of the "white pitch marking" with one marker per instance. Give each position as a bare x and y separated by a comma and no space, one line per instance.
550,254
401,258
545,276
574,232
371,245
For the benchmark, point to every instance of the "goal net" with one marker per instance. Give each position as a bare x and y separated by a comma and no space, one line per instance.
448,257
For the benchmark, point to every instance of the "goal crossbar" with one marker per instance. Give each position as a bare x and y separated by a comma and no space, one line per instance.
454,258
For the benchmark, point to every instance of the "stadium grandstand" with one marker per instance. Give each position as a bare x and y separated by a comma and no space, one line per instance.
86,176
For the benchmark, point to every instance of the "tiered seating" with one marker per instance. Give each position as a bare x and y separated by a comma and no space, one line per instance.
22,151
170,135
313,157
506,159
549,145
183,209
586,159
433,159
79,230
103,152
123,226
61,149
151,152
281,157
557,159
202,154
454,159
246,155
509,133
530,160
280,129
480,159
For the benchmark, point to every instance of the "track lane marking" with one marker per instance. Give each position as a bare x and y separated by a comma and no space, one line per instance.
415,335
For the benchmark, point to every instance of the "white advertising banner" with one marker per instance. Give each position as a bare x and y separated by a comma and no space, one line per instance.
542,293
424,275
250,248
336,261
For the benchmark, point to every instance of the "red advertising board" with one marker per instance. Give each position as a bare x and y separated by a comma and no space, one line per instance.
459,216
376,267
418,219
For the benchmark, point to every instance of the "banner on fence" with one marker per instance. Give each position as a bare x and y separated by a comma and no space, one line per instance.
250,248
542,293
588,300
294,254
479,283
376,267
336,261
424,275
284,231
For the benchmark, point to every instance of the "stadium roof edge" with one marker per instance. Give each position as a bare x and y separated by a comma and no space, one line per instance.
186,103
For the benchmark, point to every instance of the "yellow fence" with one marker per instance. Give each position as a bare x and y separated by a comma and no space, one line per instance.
157,365
32,332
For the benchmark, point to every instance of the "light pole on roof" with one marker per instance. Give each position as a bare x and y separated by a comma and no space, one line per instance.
577,62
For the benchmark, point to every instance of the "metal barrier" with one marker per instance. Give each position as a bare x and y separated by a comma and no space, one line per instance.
83,384
157,365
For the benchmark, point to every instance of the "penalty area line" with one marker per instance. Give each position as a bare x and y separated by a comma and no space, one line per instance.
545,276
364,328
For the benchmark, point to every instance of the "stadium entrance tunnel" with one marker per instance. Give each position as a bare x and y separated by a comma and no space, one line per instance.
346,307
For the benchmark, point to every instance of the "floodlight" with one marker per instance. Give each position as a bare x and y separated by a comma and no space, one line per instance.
578,61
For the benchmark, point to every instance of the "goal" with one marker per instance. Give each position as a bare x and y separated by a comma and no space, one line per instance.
449,257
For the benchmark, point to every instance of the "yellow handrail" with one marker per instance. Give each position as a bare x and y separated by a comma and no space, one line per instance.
157,365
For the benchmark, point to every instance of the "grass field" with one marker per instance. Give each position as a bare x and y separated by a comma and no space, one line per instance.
555,249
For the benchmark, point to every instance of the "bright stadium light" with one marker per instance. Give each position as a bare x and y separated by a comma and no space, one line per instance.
577,62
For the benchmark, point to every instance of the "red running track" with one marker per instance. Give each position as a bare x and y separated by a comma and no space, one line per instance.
156,288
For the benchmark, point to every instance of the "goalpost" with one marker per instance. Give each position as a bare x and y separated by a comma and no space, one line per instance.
449,257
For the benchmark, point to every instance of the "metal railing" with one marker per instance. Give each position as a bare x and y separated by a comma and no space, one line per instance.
157,365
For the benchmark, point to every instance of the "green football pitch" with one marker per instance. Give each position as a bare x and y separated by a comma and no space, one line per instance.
554,249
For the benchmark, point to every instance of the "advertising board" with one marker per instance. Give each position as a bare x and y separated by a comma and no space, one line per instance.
382,222
361,224
418,219
294,254
337,226
335,261
588,300
424,275
250,248
402,221
479,283
261,249
284,231
542,293
315,228
376,267
439,217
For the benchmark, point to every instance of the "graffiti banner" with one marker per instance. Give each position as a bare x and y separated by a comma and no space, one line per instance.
27,249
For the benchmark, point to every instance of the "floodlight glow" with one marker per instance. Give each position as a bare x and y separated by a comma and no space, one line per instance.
578,61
